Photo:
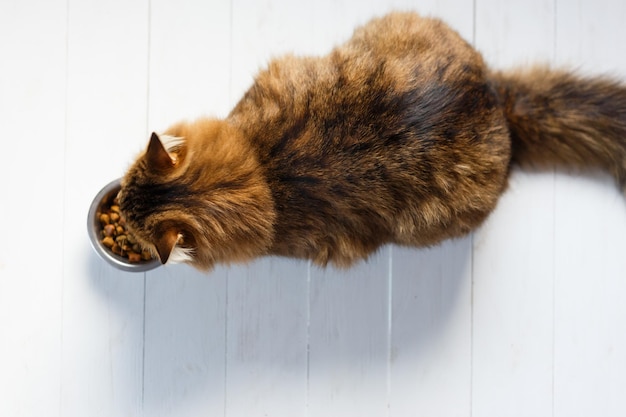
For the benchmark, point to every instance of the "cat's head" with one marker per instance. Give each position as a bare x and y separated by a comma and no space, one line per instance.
197,195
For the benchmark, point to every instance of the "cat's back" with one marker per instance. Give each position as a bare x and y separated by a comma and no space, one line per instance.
406,36
370,139
385,65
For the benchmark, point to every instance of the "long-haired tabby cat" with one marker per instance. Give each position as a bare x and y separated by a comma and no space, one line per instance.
401,135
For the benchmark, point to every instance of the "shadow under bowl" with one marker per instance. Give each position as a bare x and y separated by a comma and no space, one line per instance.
104,198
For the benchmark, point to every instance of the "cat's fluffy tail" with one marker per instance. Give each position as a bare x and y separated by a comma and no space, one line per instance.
560,118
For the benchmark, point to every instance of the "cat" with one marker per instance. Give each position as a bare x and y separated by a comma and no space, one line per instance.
400,135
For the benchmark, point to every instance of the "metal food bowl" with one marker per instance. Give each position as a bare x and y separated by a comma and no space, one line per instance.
105,197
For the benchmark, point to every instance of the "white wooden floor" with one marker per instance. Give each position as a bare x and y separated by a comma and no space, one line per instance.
524,318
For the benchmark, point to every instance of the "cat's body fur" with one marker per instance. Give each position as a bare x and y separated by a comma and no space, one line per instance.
401,135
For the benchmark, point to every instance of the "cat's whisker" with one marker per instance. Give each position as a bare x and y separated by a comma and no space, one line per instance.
180,255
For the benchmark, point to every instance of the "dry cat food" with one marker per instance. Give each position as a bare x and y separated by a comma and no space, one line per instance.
116,238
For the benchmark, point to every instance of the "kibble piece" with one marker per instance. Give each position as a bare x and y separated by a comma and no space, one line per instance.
117,249
109,230
108,242
134,257
105,218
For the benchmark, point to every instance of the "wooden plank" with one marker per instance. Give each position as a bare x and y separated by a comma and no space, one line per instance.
267,336
106,118
267,300
504,36
184,342
512,314
590,232
589,310
32,121
430,368
513,252
348,325
186,309
430,360
349,339
262,31
190,61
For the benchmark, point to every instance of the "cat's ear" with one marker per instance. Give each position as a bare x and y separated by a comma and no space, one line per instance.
165,244
157,156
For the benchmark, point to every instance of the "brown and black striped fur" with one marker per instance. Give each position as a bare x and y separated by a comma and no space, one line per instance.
401,135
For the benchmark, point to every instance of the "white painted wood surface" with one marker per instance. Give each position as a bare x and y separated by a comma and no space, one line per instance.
523,318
